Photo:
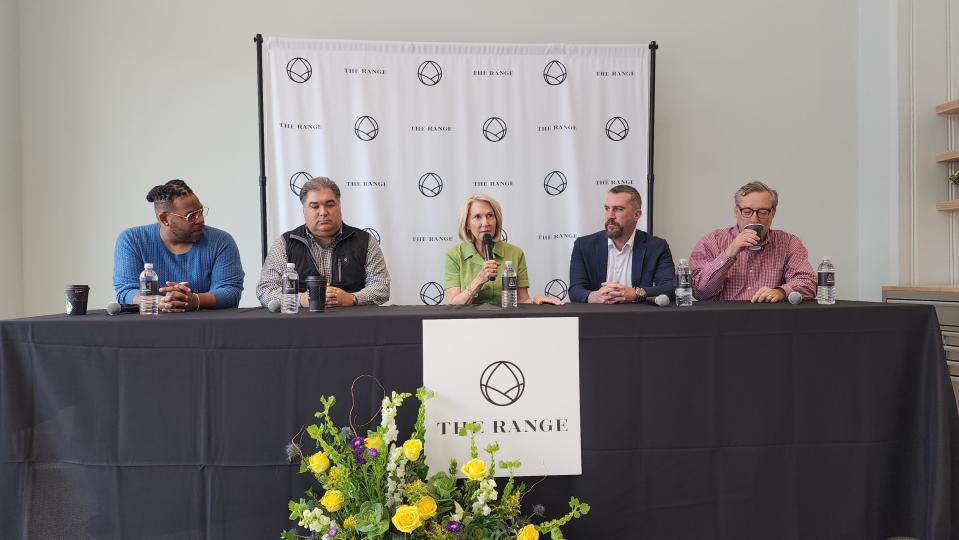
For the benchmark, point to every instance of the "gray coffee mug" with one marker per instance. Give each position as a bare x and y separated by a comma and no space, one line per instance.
77,299
758,229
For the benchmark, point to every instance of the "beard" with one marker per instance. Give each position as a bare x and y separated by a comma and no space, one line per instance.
613,230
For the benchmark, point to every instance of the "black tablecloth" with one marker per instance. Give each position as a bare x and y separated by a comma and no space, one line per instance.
720,421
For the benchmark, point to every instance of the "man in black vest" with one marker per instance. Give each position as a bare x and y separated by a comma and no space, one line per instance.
349,258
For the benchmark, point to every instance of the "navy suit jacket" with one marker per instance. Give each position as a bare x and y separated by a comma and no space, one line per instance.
652,265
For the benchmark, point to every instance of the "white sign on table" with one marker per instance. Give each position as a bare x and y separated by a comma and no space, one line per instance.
518,378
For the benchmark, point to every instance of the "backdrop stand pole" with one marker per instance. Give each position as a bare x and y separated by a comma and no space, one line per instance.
258,39
650,177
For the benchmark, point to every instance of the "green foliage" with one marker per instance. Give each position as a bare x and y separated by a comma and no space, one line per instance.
370,519
576,509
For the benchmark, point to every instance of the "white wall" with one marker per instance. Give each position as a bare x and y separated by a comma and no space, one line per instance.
11,304
118,95
878,148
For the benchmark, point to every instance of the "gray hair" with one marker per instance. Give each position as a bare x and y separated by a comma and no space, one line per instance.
316,184
633,194
756,187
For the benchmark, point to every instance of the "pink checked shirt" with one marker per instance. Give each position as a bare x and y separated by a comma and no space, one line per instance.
783,262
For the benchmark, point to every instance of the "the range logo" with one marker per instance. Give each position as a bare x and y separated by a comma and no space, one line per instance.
617,128
554,73
366,128
429,73
299,70
374,233
557,288
430,184
555,183
297,181
431,293
494,129
502,383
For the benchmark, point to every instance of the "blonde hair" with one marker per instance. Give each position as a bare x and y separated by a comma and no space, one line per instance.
464,217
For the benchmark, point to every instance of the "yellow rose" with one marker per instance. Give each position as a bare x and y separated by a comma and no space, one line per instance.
407,518
412,449
474,469
426,507
528,532
374,442
319,463
332,500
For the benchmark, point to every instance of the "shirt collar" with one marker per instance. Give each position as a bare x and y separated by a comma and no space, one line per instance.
629,242
471,250
336,238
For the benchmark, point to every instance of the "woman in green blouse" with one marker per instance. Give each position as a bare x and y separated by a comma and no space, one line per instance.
468,274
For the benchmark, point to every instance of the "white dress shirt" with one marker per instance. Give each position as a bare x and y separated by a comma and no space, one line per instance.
619,264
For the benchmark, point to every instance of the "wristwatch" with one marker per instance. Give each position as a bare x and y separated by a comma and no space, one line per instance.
640,294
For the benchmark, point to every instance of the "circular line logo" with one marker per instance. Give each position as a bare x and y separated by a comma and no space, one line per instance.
617,128
503,236
299,70
554,73
555,183
431,293
297,181
430,184
494,129
502,383
366,128
429,73
374,233
557,288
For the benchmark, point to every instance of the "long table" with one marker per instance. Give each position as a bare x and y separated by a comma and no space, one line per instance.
719,421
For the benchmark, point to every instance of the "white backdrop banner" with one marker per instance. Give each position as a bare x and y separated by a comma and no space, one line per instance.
408,130
525,395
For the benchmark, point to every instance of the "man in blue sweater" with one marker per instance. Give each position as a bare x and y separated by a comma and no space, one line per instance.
199,264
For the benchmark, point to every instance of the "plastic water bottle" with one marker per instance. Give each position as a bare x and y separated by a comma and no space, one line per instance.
290,295
509,286
149,291
684,284
826,291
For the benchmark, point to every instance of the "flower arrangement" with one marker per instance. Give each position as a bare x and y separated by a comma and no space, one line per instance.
954,178
373,488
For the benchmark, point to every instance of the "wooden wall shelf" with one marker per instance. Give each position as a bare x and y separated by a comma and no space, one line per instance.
948,206
948,157
951,107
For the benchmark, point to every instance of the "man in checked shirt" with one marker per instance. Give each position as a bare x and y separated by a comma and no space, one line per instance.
737,264
349,258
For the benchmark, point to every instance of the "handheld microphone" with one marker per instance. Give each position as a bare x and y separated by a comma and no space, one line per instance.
274,305
114,308
488,250
661,300
795,298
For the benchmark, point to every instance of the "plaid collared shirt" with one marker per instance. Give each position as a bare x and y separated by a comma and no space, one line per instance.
783,262
376,291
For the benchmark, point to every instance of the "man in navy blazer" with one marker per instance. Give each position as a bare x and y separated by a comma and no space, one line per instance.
620,263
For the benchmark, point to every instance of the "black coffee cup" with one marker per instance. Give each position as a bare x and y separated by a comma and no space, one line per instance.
77,299
316,287
758,229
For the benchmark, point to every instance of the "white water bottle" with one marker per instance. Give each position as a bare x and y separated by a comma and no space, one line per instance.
290,295
149,291
684,284
508,296
826,291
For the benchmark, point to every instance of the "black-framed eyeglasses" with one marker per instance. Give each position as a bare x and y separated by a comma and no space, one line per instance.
193,216
761,212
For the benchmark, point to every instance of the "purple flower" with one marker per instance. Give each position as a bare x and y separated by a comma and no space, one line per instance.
453,526
356,442
331,532
358,456
373,452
